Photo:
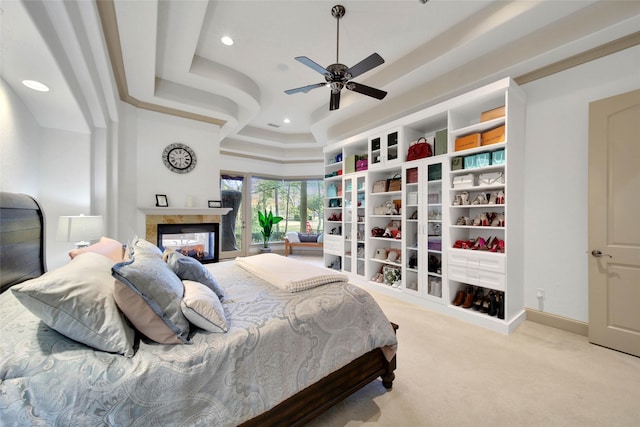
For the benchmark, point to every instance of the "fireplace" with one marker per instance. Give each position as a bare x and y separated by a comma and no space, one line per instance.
199,241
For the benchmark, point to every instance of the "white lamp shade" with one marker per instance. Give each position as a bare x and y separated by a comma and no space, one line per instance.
81,228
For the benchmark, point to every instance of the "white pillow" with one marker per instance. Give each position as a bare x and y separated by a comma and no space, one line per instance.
202,307
293,237
77,301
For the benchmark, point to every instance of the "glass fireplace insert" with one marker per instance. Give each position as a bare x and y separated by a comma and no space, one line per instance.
199,241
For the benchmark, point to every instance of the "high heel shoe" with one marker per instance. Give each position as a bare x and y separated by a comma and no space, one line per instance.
484,219
500,198
464,198
479,244
481,199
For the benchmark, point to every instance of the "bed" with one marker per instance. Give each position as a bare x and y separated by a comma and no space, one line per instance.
283,359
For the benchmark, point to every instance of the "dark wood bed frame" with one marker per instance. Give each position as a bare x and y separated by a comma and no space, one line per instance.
22,257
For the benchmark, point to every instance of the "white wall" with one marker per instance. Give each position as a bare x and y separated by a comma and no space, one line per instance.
299,170
154,131
19,144
65,184
556,147
53,166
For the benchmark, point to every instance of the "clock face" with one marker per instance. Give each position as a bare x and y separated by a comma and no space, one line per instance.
179,158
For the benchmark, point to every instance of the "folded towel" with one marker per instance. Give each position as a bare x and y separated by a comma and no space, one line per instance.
289,274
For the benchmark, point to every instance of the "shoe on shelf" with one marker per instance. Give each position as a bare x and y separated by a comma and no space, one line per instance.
460,297
464,196
500,301
468,301
478,298
493,304
481,199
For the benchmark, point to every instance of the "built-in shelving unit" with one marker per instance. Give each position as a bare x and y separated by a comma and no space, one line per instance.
448,234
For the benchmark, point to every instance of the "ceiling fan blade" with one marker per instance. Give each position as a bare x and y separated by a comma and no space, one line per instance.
334,102
366,90
313,65
304,89
365,65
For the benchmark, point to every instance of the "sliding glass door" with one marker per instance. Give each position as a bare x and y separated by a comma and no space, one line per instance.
298,201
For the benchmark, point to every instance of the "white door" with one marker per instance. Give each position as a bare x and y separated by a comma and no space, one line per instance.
614,222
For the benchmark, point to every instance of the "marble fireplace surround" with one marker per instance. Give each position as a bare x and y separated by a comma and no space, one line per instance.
155,216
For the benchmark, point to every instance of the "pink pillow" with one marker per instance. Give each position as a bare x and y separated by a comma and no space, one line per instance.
108,247
142,316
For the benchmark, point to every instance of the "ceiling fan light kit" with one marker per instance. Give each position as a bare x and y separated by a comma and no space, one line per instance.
338,76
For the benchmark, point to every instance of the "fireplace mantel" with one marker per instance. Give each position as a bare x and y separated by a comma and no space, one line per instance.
184,211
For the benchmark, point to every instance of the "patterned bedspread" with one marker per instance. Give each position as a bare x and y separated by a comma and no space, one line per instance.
278,343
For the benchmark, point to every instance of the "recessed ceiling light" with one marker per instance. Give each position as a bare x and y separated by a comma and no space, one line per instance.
32,84
227,40
286,120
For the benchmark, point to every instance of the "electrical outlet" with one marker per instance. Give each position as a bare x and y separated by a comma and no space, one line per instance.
540,293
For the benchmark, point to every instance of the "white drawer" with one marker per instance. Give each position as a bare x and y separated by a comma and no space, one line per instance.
477,260
332,244
474,276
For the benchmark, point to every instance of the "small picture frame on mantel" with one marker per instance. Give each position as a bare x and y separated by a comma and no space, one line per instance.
161,201
215,203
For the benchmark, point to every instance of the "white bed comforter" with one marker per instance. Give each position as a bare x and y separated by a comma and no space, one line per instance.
278,343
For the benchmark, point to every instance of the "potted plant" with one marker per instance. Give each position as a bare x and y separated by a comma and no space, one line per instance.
267,221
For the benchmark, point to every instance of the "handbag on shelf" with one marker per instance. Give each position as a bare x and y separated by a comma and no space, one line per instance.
380,186
377,232
395,183
419,150
492,178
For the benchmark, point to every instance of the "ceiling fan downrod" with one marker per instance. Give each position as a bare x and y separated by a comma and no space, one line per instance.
338,12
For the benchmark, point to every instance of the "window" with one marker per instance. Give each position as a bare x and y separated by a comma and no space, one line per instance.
299,202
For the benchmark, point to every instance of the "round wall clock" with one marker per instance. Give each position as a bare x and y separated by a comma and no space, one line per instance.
179,158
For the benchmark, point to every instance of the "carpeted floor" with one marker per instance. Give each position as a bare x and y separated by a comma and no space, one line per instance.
451,373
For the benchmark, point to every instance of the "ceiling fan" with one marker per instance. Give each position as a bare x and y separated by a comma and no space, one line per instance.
338,75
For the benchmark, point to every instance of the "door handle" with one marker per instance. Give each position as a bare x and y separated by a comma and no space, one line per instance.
597,253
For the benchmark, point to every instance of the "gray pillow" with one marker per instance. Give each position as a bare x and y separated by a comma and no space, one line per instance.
77,301
159,287
308,238
188,268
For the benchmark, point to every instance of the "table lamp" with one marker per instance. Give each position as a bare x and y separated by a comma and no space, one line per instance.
80,229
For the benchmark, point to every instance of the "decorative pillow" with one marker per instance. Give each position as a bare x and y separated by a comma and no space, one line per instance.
320,238
188,268
142,316
293,237
202,307
308,238
106,246
143,248
77,301
160,289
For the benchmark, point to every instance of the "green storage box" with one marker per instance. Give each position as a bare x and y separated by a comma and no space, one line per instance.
350,164
457,163
435,172
441,142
